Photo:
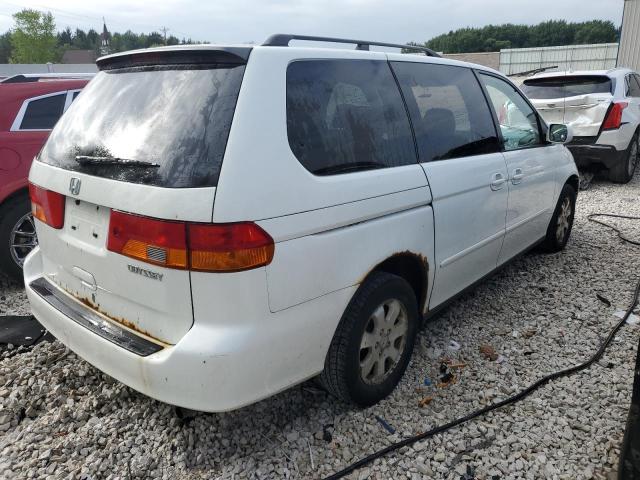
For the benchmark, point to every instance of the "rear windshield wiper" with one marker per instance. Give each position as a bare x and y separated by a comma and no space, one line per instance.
125,162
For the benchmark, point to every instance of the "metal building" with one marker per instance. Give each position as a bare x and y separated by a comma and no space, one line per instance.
569,57
629,53
9,69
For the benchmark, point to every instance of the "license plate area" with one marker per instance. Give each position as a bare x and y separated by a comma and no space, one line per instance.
86,223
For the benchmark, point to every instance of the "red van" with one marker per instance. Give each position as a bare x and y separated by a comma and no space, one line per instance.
30,105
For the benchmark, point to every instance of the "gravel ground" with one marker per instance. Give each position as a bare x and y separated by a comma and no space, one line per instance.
61,418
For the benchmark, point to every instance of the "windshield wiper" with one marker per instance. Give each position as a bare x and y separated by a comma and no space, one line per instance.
125,162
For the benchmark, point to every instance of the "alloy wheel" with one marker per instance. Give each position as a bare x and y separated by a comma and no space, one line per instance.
634,157
383,341
22,239
562,226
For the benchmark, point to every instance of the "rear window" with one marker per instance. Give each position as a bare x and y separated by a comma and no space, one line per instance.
165,126
43,113
346,116
563,87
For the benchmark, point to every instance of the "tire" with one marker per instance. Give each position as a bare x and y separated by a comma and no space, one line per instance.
561,223
15,216
624,170
364,320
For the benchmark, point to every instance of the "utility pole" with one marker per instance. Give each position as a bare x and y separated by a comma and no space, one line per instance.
164,30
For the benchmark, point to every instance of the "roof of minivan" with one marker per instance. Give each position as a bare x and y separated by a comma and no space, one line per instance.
241,52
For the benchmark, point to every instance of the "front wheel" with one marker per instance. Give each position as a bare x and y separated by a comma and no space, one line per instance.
373,342
561,223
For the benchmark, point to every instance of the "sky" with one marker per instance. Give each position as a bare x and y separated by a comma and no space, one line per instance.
252,21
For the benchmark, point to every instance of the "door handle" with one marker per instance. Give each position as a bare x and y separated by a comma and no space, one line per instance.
497,181
517,176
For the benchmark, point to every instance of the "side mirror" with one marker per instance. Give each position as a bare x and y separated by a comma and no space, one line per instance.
559,133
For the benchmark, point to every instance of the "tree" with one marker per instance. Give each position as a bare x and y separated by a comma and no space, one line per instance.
65,37
93,39
34,37
154,39
80,39
545,34
5,47
68,39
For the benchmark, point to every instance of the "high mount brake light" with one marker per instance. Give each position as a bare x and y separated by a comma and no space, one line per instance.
614,116
47,206
223,247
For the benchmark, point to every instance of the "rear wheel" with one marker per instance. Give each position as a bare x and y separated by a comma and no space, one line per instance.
561,223
17,235
373,342
624,170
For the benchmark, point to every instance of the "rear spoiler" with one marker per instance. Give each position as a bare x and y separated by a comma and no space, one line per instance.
191,55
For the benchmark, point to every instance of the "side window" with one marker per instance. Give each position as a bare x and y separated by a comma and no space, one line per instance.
634,85
345,116
518,120
75,94
43,113
449,113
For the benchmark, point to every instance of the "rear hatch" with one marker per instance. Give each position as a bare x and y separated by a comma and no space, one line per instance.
136,156
581,101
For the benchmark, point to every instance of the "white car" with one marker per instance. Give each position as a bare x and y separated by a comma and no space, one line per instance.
603,109
217,224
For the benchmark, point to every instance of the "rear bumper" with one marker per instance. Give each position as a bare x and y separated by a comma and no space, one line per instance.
586,155
212,368
604,150
92,320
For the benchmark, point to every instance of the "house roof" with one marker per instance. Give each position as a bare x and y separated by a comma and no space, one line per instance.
79,56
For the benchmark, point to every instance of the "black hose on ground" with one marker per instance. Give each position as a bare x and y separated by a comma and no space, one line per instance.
522,394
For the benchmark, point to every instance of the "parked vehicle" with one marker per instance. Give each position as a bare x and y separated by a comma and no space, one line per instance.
31,105
217,224
602,107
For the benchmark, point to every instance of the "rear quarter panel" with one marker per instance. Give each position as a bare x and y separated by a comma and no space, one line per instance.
310,266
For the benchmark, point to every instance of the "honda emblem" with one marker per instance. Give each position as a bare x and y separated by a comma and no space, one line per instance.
74,186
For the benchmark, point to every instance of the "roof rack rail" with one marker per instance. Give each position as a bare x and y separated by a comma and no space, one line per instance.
283,39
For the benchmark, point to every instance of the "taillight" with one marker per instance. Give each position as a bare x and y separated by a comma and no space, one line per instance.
229,247
47,206
147,239
225,247
614,116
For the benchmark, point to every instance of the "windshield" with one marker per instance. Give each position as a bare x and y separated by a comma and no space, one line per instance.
563,87
163,126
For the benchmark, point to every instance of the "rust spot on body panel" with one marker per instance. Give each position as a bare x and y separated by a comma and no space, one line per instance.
396,264
119,320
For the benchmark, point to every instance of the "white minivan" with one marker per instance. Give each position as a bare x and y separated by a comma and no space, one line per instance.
217,224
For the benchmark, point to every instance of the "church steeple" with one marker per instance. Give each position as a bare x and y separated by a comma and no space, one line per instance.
105,39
